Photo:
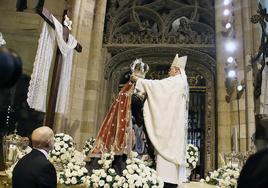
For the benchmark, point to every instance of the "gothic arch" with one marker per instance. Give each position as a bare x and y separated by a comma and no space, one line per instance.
154,31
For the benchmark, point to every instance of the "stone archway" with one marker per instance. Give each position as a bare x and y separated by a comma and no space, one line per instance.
159,59
155,31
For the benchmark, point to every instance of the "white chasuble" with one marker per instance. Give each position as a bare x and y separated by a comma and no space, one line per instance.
166,117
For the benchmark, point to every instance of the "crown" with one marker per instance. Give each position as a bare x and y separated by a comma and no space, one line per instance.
138,68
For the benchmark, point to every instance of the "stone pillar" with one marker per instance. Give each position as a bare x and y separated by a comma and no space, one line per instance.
245,39
224,110
94,82
251,39
72,123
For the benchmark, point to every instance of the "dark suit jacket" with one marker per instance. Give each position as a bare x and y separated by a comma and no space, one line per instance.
34,171
254,173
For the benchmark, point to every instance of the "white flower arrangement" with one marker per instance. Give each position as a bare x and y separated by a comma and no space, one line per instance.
88,145
106,176
191,156
63,149
137,174
224,177
73,174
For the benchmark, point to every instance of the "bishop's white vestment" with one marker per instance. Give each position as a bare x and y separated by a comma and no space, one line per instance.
166,118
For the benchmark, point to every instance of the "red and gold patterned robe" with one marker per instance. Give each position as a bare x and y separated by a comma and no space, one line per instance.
115,134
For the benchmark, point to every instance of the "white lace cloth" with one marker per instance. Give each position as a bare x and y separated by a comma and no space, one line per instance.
37,91
2,40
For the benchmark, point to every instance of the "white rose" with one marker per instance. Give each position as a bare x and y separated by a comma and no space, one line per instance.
74,181
109,178
66,138
107,162
125,172
80,173
115,185
63,157
134,166
125,185
63,150
130,180
142,166
111,170
128,161
57,140
207,179
139,170
57,147
145,185
74,173
68,174
61,181
138,183
68,181
103,174
101,182
130,171
77,167
106,185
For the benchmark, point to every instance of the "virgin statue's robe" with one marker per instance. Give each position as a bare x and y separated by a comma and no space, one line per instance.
115,134
165,116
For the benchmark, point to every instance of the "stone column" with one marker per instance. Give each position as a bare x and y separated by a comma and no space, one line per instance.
94,82
72,123
229,116
224,110
251,39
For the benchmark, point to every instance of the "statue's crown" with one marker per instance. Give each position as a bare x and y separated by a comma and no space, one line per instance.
139,68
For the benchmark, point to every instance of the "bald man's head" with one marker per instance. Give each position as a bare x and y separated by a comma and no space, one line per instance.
43,138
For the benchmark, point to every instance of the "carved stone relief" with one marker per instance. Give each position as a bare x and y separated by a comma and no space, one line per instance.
158,22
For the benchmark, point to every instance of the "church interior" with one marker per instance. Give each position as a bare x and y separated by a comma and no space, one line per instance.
225,42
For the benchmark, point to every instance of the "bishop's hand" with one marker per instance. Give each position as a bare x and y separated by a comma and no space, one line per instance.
133,78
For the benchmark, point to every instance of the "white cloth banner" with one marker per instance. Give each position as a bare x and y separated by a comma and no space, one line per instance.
37,92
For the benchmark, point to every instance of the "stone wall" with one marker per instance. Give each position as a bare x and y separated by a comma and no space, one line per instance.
246,38
21,31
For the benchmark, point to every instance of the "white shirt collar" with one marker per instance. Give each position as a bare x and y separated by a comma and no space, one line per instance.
43,151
